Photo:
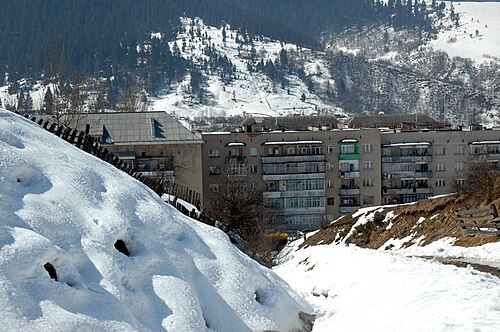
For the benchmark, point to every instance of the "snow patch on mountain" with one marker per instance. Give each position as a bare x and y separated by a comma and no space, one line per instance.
478,35
251,93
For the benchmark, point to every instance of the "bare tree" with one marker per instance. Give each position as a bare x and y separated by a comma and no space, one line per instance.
479,180
239,208
134,101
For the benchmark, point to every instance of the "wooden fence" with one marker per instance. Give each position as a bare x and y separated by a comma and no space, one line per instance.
479,221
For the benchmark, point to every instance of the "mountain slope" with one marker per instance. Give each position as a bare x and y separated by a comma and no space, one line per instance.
61,206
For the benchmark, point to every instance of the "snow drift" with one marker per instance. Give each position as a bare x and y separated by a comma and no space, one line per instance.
61,206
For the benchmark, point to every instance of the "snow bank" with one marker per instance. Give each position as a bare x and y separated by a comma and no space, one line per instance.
60,205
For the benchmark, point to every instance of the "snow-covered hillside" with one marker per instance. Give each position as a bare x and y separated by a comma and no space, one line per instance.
61,206
477,37
251,93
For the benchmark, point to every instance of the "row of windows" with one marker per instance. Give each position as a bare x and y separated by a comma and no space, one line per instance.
296,202
292,168
297,219
296,185
294,150
367,148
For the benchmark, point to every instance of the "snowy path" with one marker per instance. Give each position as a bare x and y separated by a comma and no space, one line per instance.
356,289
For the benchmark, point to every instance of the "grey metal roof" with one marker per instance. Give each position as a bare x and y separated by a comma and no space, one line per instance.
394,121
292,122
138,127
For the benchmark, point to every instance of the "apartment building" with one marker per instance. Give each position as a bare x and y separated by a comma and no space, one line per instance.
152,143
307,177
310,177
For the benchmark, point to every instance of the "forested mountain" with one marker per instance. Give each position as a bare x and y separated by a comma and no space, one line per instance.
243,56
106,37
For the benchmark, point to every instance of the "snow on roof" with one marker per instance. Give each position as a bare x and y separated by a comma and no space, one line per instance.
406,144
236,144
349,140
485,142
63,206
292,142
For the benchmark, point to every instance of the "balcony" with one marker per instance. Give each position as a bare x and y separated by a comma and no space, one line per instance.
411,174
350,174
406,159
293,211
406,191
291,159
349,191
236,160
348,209
303,176
294,193
157,173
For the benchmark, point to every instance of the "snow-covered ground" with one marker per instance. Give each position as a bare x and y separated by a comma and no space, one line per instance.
61,206
355,289
477,37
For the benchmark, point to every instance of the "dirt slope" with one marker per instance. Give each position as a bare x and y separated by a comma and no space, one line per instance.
421,222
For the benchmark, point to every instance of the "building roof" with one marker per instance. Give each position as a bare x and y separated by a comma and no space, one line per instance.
291,122
417,120
137,127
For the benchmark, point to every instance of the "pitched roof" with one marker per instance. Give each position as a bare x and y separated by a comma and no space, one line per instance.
137,127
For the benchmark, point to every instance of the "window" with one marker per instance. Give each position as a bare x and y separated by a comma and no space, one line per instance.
347,148
368,200
329,183
253,152
272,186
440,167
459,166
330,201
368,164
214,152
312,184
440,150
213,187
213,170
329,166
460,182
367,147
329,149
440,183
459,149
253,169
368,182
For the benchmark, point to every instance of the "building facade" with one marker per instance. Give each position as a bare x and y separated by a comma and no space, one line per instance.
151,143
312,177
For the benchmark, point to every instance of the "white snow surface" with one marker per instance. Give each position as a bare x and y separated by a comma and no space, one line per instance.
355,289
463,41
401,289
61,205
